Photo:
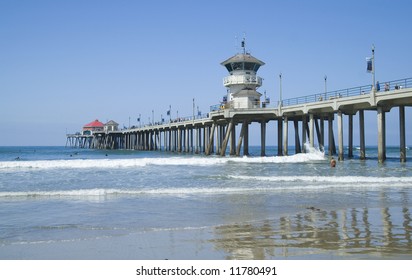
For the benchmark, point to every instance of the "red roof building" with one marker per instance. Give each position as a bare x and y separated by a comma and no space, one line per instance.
95,125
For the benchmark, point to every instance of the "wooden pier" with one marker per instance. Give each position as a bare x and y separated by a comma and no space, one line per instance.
79,141
216,132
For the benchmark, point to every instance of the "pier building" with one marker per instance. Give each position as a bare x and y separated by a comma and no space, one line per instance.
242,82
93,126
111,126
308,116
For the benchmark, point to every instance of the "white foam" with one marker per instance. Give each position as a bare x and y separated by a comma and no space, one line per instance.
327,179
312,155
98,192
280,183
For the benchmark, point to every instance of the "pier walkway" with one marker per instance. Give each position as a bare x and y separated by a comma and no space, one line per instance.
215,132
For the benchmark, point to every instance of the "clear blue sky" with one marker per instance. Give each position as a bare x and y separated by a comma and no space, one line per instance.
66,63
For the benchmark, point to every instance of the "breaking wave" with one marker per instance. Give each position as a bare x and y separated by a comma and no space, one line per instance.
276,183
328,179
312,155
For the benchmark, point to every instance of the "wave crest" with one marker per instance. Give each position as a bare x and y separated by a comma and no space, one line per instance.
312,155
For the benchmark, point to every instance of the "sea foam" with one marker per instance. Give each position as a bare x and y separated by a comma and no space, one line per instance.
275,184
312,155
328,179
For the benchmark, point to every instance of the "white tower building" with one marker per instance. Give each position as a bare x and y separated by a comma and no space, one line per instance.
242,81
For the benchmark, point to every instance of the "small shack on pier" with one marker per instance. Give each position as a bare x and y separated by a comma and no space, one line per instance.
94,126
111,126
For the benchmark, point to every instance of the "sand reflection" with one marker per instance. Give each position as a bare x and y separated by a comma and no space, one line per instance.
353,233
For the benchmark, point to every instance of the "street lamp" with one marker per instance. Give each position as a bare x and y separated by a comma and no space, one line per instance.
193,109
280,89
139,120
373,66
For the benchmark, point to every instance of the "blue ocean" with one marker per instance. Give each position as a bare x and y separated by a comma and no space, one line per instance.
66,203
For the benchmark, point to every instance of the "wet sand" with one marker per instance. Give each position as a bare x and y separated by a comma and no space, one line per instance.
313,233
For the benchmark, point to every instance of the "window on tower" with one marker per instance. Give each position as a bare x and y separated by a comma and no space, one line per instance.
237,66
229,67
256,67
249,66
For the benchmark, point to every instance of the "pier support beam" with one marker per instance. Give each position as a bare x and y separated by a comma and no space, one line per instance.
350,136
246,140
304,125
340,135
187,139
227,136
381,135
285,136
241,137
330,134
263,138
322,133
210,142
297,140
311,131
197,139
173,140
402,137
233,140
179,140
218,138
206,137
168,143
362,134
317,129
280,136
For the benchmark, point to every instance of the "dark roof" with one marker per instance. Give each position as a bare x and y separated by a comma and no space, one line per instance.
240,57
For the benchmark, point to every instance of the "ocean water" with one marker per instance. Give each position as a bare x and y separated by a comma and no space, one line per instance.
65,203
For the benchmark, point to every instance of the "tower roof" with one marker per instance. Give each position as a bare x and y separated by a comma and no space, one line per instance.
240,57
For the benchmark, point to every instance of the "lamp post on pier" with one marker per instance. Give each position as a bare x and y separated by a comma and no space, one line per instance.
193,110
280,89
371,67
139,120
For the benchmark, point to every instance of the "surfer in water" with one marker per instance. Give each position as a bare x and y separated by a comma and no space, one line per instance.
332,162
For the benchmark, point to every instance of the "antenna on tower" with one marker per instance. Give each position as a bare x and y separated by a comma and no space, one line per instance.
242,46
244,43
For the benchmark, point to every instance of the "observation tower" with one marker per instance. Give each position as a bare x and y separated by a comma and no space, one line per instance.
243,81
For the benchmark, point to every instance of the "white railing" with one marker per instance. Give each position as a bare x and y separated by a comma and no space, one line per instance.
242,79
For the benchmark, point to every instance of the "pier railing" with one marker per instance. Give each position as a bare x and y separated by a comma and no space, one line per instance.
330,95
169,121
319,97
242,79
386,86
